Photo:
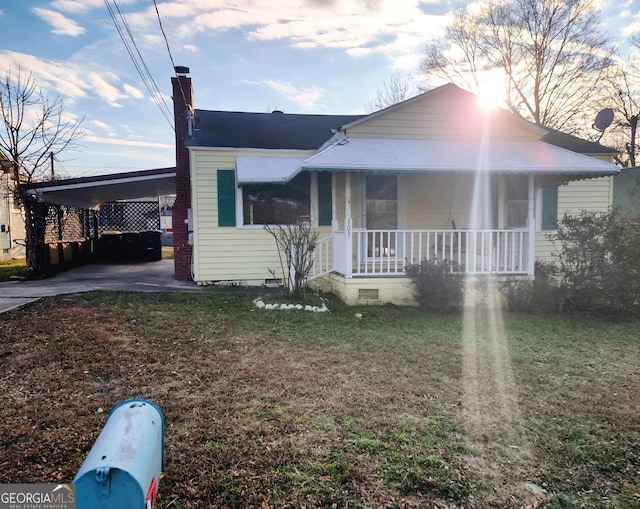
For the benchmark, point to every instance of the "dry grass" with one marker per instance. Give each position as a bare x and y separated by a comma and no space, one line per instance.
297,409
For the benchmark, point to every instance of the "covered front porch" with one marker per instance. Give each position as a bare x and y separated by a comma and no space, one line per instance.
383,223
475,204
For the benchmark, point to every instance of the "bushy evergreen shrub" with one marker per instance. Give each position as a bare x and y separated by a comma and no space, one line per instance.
598,260
438,285
539,295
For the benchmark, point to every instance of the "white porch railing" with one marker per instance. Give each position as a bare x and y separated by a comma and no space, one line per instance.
381,252
387,252
323,257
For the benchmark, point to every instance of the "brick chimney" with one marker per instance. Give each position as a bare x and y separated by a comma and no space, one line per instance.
183,115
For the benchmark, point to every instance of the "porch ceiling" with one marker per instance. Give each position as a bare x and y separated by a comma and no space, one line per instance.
465,156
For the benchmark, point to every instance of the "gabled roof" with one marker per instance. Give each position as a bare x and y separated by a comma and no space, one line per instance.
551,136
458,95
286,131
575,144
277,130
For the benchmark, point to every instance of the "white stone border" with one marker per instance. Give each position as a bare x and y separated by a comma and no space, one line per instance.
259,303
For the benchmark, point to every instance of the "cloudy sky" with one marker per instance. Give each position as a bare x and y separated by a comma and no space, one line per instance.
299,56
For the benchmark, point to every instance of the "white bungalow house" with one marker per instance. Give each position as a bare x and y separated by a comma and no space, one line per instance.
12,233
435,176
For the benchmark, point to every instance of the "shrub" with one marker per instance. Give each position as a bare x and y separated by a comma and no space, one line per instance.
518,294
296,244
438,285
540,295
598,260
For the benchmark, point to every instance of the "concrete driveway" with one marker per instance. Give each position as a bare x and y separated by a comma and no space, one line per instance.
138,277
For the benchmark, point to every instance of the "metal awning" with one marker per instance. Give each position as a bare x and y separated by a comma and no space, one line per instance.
87,192
451,156
262,170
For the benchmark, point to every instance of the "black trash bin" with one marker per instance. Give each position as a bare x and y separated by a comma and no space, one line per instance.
130,246
111,246
150,245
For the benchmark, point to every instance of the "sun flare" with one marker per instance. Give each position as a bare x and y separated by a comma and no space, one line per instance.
492,91
489,99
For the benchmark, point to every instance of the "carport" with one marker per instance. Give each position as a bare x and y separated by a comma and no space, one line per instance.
87,192
74,223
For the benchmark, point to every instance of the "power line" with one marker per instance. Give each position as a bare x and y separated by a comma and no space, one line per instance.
120,21
58,170
173,64
146,76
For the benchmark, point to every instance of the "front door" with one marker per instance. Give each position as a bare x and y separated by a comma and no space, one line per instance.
381,214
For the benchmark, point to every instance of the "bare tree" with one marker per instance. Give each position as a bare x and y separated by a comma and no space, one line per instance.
458,57
34,130
550,52
296,244
396,89
623,96
625,102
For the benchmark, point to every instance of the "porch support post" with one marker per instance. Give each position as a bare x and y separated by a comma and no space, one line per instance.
334,202
501,199
348,228
531,221
313,209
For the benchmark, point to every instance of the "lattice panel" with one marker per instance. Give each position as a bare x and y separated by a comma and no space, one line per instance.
130,216
69,224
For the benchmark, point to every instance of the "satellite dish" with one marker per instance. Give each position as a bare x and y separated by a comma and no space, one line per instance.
603,119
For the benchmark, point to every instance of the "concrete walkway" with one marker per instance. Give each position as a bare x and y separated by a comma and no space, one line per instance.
139,277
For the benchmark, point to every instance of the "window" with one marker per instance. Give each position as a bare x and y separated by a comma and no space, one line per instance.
277,203
382,202
517,202
382,214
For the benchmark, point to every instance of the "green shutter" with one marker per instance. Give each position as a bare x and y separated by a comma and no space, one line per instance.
324,199
550,208
226,198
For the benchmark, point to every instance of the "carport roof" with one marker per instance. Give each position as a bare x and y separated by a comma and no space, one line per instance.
87,192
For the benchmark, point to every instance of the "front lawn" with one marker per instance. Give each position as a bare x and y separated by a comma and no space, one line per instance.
11,268
300,409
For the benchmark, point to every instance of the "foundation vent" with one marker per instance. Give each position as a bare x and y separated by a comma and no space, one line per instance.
368,293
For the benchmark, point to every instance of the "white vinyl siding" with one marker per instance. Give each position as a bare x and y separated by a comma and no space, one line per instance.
243,254
589,194
433,201
424,201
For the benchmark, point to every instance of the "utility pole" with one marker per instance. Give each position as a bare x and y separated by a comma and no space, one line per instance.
631,147
53,170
